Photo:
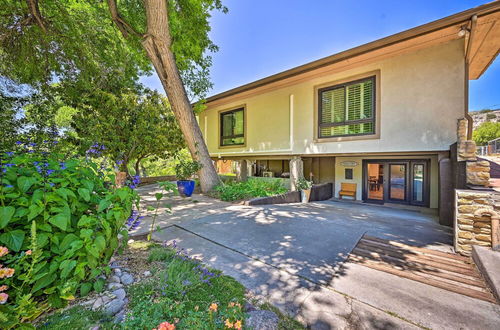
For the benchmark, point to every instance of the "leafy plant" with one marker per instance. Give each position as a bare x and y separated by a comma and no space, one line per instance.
60,221
486,132
303,184
185,169
232,191
167,189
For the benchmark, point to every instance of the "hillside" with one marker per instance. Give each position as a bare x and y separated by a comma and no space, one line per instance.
482,116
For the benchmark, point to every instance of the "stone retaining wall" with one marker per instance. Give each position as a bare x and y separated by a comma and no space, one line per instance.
472,228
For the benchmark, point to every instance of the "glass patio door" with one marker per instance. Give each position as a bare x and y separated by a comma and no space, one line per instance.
396,181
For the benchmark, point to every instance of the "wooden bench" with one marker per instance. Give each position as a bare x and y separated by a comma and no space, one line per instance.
347,189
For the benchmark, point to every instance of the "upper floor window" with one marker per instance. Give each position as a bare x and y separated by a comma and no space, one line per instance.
347,109
232,127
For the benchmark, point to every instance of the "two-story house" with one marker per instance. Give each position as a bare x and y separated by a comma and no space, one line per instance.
382,115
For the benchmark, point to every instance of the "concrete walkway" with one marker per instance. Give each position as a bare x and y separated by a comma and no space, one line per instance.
293,255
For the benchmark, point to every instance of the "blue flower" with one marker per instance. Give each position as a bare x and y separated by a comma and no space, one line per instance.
9,153
62,165
51,184
18,142
49,172
9,165
32,144
9,186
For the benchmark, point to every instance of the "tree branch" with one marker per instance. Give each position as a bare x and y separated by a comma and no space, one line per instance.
34,10
124,27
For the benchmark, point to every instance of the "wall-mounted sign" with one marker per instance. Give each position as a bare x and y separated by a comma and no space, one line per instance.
349,164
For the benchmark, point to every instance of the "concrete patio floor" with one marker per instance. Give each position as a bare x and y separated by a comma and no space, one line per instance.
294,256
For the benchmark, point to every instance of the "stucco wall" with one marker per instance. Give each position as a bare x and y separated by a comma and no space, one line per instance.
421,98
358,175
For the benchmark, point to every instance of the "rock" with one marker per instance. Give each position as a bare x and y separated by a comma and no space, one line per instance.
120,316
87,302
249,307
262,320
114,307
117,271
147,273
114,286
114,265
114,279
97,304
127,279
120,293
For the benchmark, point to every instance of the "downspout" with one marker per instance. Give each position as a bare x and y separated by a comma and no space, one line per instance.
468,41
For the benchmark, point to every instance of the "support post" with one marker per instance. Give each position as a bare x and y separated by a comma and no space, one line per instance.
296,171
242,170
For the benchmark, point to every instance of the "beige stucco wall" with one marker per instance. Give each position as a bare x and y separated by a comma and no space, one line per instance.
358,175
422,96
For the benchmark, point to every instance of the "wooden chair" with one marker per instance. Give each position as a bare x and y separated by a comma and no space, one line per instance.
347,189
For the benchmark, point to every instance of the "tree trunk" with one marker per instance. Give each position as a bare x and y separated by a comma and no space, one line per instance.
157,43
137,167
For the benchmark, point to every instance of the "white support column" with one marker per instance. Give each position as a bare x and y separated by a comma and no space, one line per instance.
296,171
242,170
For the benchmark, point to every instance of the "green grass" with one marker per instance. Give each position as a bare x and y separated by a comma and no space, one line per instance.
180,291
233,191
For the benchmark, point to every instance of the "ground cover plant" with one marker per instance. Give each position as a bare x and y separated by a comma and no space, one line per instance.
181,292
233,191
59,221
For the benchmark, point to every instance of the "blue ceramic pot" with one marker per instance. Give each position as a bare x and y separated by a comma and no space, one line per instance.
185,187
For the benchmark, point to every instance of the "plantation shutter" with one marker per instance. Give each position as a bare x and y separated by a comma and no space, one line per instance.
347,109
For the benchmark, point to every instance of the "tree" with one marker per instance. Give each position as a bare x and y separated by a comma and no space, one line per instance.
486,132
131,125
74,41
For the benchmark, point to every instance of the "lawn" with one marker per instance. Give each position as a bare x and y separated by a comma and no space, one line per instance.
181,291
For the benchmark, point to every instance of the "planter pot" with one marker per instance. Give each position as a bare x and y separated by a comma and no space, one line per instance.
305,195
120,178
185,187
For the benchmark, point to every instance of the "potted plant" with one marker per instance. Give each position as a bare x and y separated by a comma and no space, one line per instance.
184,172
305,189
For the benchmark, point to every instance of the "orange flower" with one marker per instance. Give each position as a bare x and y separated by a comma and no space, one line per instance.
166,326
28,253
213,307
228,324
237,325
6,272
3,298
3,288
3,251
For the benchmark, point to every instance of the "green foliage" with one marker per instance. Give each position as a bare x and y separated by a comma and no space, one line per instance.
76,318
491,116
132,124
167,189
184,290
185,169
303,184
486,132
60,221
71,40
233,191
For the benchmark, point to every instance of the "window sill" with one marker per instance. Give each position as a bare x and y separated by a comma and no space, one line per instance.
347,138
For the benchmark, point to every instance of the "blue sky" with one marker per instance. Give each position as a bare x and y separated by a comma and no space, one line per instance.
258,38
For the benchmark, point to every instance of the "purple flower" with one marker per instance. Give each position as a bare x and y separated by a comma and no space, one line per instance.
19,142
62,165
32,144
9,153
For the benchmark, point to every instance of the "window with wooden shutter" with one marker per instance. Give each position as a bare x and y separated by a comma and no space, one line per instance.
232,127
347,109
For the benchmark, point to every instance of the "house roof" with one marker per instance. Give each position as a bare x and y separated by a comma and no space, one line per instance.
484,43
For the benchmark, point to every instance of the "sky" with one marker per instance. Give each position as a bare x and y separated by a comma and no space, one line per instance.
258,38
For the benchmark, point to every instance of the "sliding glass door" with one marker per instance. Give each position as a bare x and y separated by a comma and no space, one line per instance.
396,181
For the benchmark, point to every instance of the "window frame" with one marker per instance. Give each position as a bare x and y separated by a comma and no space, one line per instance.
344,85
221,128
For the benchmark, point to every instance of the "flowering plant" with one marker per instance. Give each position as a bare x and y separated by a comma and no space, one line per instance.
59,221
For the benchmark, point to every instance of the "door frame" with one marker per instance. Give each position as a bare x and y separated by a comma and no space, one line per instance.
409,163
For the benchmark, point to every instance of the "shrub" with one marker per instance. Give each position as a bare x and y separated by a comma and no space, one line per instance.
60,221
185,169
253,187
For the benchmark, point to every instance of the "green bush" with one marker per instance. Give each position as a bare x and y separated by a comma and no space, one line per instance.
232,191
60,222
